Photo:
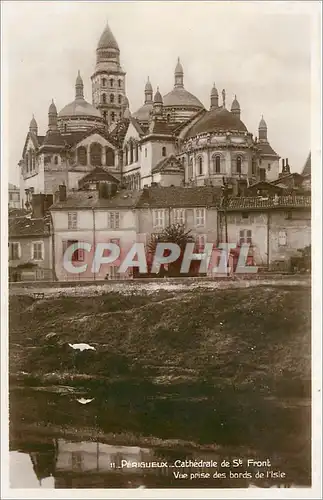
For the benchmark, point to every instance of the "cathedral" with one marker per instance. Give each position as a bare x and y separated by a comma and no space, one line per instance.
171,140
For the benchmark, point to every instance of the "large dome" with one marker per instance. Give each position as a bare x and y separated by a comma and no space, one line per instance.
181,97
217,120
79,107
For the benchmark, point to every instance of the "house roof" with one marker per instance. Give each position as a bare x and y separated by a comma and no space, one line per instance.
219,119
98,174
37,141
90,199
181,197
266,149
288,177
258,202
264,185
119,131
169,164
159,127
26,225
74,138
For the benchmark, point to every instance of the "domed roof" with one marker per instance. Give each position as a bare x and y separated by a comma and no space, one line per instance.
158,98
143,113
235,106
214,91
262,123
79,107
181,97
52,108
216,120
107,40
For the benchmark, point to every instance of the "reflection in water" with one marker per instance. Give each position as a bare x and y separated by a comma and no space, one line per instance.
88,464
47,449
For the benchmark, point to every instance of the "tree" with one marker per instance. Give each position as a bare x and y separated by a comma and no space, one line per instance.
174,233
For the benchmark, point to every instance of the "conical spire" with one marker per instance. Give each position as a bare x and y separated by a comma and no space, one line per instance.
262,124
33,127
52,116
79,87
148,92
179,75
262,129
107,40
158,98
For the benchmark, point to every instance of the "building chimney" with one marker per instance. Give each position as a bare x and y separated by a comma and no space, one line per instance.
62,192
283,163
40,204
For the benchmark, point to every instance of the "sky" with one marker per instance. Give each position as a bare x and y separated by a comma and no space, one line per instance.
259,51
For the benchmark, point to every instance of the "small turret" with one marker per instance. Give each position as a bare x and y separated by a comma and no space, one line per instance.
52,116
235,107
179,75
33,127
79,87
158,103
262,130
214,98
148,92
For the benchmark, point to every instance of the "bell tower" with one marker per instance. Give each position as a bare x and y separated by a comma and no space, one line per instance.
108,79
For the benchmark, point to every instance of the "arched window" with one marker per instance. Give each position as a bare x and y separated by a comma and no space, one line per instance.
136,152
190,169
216,164
111,98
30,157
126,155
104,98
131,152
104,82
200,165
119,83
105,116
82,155
253,167
109,157
56,160
65,127
239,162
111,82
119,99
96,154
27,162
163,151
112,116
168,118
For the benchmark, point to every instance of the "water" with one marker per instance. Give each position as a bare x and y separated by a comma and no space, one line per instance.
58,442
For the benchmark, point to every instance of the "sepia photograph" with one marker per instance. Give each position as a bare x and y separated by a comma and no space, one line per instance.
158,243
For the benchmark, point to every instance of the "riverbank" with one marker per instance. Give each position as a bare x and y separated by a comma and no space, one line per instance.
255,336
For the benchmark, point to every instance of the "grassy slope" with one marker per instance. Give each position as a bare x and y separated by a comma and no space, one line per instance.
256,337
237,364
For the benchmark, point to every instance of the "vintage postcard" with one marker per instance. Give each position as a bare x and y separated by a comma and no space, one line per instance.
161,248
